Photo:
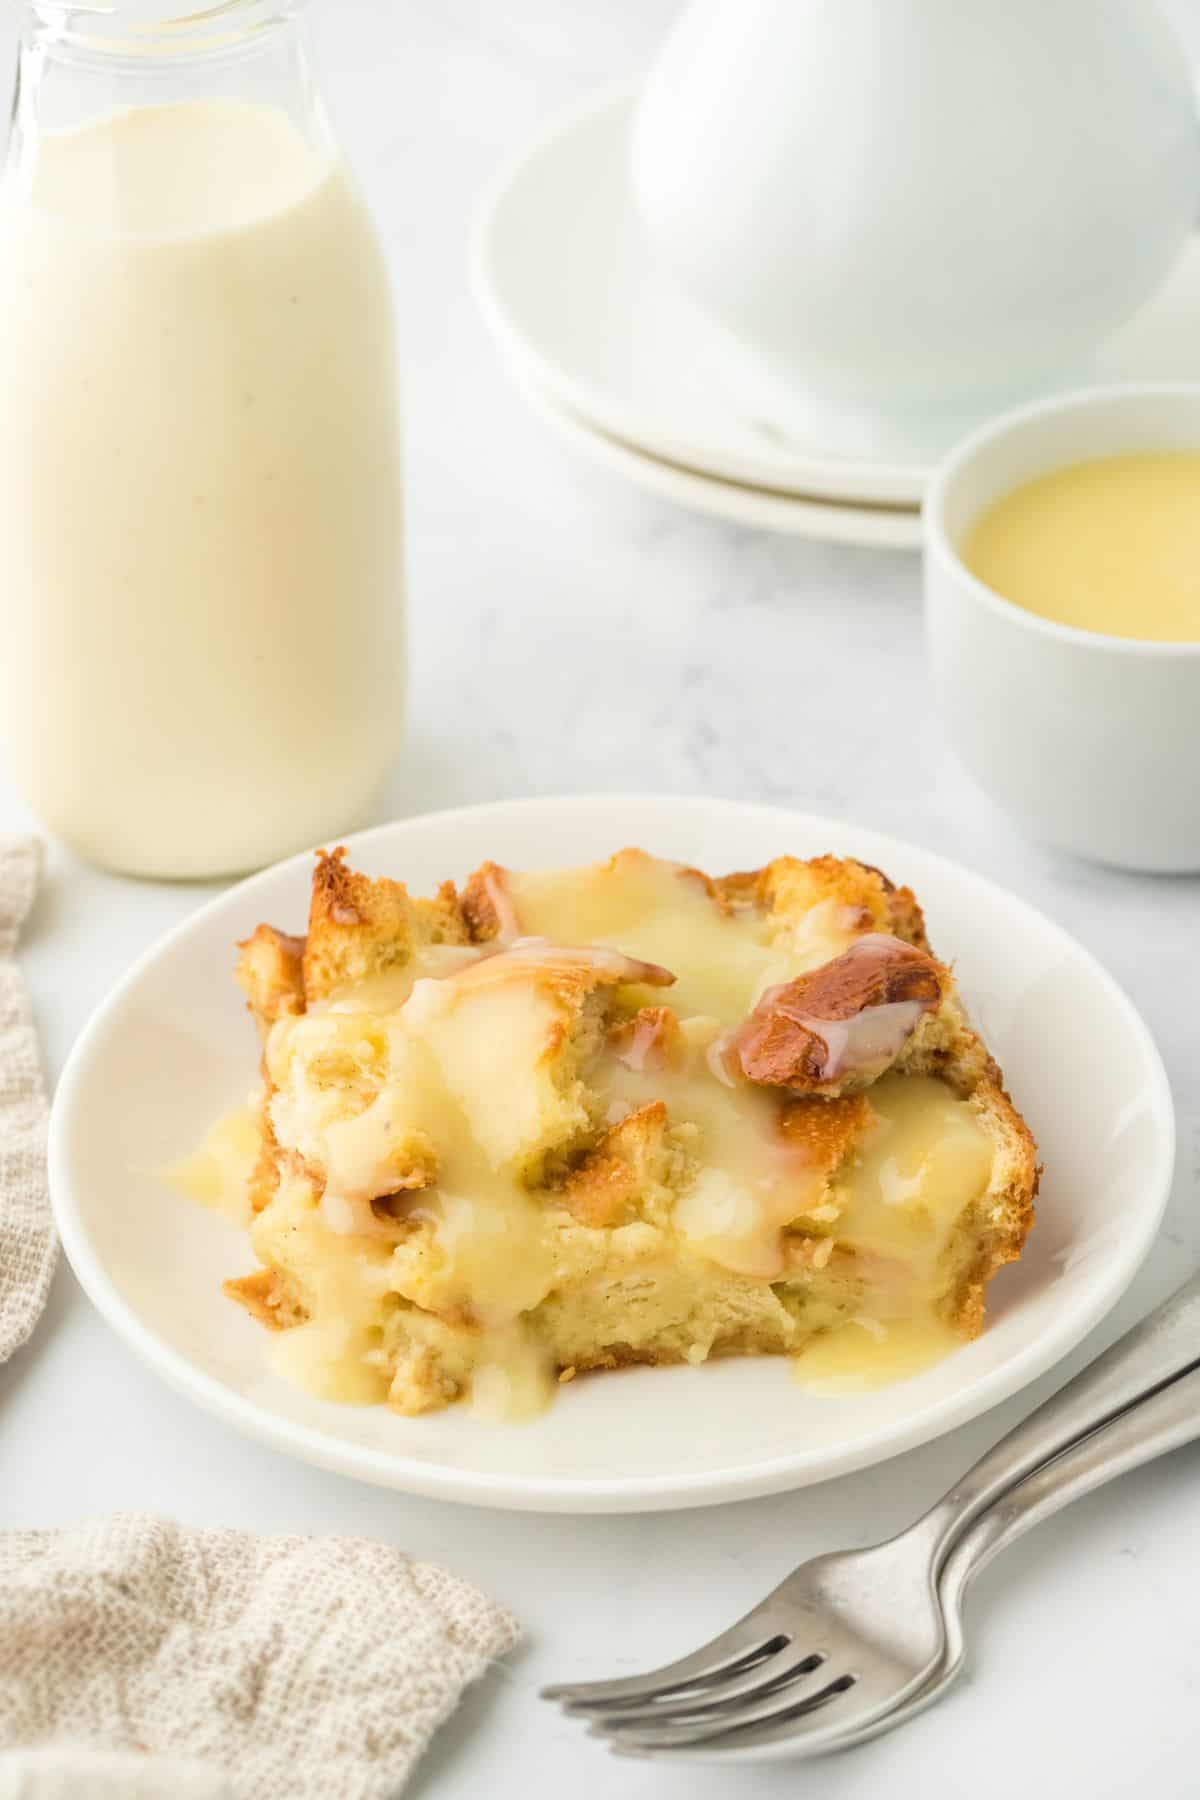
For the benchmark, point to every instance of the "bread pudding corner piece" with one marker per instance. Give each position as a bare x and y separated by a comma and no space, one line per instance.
359,928
528,1173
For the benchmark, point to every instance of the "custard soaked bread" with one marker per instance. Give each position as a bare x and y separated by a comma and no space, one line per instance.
568,1120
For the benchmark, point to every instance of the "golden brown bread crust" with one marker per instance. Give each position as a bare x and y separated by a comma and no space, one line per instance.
267,1297
782,1043
270,971
264,1177
1009,1207
651,1039
603,1188
907,921
825,1130
486,906
359,928
789,885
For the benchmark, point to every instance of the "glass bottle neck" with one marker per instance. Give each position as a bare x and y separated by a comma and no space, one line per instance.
78,63
156,29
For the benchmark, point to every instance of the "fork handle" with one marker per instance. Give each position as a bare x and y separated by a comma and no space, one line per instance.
1164,1346
1166,1419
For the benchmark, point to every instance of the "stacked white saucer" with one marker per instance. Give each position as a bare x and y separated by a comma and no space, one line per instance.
619,362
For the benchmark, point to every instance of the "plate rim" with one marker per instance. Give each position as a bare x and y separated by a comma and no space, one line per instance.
829,476
547,1493
828,521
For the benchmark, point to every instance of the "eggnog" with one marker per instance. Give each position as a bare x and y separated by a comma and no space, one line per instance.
1110,545
200,539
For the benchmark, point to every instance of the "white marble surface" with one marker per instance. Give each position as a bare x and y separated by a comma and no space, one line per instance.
571,635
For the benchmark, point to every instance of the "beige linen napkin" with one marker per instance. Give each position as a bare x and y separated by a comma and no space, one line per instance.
28,1246
154,1661
287,1668
105,1775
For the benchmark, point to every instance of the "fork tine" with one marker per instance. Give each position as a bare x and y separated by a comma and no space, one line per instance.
696,1705
756,1724
713,1679
746,1646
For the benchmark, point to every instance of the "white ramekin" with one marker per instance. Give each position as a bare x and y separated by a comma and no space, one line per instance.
1091,743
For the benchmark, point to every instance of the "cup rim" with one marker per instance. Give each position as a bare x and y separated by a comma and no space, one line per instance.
937,542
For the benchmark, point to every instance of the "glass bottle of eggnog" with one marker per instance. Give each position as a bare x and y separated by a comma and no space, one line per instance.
201,606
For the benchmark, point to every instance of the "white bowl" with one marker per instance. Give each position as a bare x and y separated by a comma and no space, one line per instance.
1090,742
172,1047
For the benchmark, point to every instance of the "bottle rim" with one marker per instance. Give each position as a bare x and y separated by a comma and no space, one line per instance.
154,28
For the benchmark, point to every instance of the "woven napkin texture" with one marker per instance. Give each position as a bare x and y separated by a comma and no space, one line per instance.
28,1246
287,1668
105,1775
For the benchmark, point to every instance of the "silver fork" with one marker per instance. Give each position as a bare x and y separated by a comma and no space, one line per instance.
1166,1419
849,1639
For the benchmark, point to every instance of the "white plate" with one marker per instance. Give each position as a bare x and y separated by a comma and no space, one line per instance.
564,279
172,1047
832,521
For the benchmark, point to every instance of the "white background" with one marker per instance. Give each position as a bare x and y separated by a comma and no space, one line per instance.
571,635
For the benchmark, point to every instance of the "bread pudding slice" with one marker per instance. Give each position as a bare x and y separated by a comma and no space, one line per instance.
628,1113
